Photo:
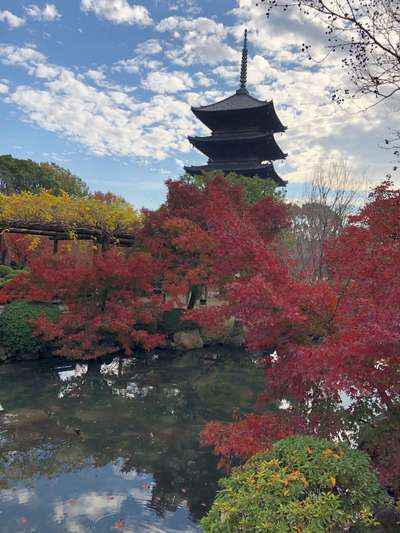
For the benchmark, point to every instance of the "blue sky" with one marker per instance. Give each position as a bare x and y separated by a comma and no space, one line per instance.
104,88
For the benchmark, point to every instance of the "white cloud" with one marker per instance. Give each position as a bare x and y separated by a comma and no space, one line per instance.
136,64
48,13
150,47
167,82
26,57
202,41
3,90
11,20
202,80
104,120
118,11
188,6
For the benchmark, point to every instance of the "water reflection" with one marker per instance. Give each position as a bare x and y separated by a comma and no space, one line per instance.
89,447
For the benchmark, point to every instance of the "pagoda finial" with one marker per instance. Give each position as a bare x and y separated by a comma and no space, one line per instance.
243,71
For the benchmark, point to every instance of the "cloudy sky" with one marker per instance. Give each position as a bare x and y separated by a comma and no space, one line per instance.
104,88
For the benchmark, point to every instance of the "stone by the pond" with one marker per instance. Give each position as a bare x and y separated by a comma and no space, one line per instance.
25,416
4,355
28,356
188,340
237,341
235,338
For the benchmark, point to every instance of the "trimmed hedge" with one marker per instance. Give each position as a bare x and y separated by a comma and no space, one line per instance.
16,330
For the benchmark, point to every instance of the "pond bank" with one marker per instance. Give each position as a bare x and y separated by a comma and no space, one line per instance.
18,341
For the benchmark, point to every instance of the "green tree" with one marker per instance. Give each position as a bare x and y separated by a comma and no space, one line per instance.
304,484
18,175
254,188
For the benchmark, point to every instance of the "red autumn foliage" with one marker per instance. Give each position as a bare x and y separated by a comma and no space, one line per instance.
249,435
17,249
339,336
108,301
200,237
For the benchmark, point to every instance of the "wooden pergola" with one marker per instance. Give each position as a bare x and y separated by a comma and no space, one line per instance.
58,232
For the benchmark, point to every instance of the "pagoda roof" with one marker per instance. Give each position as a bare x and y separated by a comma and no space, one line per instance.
261,146
233,114
227,136
237,101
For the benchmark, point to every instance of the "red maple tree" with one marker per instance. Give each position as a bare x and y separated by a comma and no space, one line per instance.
108,301
335,342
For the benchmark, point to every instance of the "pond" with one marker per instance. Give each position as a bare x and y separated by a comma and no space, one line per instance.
114,446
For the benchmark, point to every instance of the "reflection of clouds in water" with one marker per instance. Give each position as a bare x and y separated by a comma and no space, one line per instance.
124,475
71,387
22,496
117,366
92,505
132,390
142,495
77,372
284,405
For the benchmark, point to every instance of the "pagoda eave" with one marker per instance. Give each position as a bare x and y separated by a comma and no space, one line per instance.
225,117
262,171
262,147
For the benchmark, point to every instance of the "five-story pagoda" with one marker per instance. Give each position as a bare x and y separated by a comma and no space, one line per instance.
242,134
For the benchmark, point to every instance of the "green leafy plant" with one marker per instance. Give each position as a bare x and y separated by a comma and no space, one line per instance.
16,330
254,188
173,321
5,271
7,274
304,484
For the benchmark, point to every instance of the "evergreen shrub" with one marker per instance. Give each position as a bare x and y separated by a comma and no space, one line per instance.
16,329
172,321
304,484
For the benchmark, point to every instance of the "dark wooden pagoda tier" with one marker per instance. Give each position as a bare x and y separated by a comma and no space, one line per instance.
249,146
239,112
265,171
242,134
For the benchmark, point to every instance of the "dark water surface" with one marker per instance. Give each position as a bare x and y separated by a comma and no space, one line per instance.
114,447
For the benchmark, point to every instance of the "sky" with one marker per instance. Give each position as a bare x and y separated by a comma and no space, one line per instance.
104,88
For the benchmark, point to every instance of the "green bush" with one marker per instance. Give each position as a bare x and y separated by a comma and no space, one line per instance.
5,271
16,330
304,484
8,273
172,322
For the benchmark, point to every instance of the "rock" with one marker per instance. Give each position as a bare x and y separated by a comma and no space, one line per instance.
234,342
235,338
211,356
5,357
188,340
28,357
26,416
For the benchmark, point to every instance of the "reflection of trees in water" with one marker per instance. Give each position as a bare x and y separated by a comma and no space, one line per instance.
145,417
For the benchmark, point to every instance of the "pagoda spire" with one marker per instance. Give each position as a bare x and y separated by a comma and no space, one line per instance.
243,70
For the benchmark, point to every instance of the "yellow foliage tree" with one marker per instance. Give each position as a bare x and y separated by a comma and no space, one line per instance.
70,213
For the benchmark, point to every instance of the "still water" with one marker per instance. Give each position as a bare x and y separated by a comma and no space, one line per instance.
114,446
